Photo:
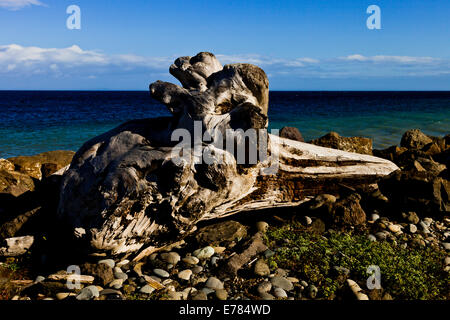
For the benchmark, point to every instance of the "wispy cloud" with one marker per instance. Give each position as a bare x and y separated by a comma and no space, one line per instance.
394,59
19,4
20,61
72,59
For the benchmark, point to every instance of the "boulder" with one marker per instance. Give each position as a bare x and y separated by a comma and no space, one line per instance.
6,165
350,144
348,211
392,153
291,133
43,164
15,183
422,192
223,233
101,271
415,139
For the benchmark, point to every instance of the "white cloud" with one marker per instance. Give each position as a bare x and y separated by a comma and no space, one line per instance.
19,4
394,59
70,59
21,61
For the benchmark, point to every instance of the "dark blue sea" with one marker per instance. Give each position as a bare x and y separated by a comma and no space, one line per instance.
38,121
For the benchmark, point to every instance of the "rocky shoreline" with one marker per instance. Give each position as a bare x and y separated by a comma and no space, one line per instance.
319,249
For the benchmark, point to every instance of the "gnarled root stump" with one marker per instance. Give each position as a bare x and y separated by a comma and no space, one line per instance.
134,187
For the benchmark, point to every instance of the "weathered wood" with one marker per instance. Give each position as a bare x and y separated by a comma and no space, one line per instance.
127,189
16,246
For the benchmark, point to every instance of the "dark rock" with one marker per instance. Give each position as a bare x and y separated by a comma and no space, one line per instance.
222,233
421,192
348,211
432,149
15,183
253,247
351,144
32,165
49,289
317,226
199,295
415,139
391,153
291,133
375,294
102,272
412,217
6,165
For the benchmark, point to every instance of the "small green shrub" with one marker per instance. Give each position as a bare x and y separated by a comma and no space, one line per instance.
406,273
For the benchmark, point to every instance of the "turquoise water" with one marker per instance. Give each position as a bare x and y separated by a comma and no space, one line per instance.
38,121
382,116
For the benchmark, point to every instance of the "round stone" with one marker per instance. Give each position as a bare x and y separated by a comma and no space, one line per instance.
262,226
39,279
282,283
266,296
280,293
308,220
191,260
446,245
412,228
161,273
170,257
109,262
116,284
204,253
63,295
197,269
199,295
447,261
214,283
381,235
88,293
176,296
261,268
147,289
394,228
413,217
374,217
107,292
264,286
268,253
372,238
121,275
185,274
208,291
312,291
221,294
123,263
424,227
428,221
214,261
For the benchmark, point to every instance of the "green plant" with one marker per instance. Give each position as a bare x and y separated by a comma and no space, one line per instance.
406,273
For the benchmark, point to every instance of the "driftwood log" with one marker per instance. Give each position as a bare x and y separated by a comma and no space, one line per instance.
134,188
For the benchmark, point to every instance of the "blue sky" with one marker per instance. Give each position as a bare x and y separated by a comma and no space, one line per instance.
302,45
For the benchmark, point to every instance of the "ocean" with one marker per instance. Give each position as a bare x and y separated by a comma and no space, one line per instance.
36,121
